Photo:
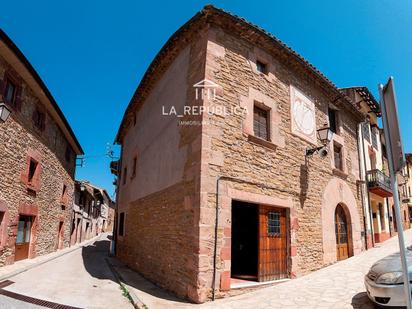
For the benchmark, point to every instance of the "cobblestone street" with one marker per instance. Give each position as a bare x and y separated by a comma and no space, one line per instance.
337,286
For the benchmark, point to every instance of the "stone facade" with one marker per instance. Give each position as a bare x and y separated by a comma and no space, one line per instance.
44,194
91,210
167,208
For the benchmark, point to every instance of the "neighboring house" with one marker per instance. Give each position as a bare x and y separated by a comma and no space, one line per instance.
38,152
405,191
377,188
91,211
210,200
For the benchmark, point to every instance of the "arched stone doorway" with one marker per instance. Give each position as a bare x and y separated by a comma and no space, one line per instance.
337,192
343,233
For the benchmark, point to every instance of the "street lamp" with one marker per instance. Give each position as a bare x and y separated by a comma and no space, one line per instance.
4,112
325,135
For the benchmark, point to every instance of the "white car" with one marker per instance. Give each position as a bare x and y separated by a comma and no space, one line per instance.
384,281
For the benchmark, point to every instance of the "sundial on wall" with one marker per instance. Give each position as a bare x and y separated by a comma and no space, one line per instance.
303,116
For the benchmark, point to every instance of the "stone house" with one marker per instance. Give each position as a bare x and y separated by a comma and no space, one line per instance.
377,191
91,210
405,191
38,152
216,189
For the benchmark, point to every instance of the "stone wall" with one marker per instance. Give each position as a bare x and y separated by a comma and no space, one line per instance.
278,166
19,140
169,229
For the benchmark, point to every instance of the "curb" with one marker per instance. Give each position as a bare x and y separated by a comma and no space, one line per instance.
136,302
26,268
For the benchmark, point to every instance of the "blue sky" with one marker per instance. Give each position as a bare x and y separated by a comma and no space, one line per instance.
92,54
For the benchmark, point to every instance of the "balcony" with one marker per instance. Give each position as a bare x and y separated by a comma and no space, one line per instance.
379,183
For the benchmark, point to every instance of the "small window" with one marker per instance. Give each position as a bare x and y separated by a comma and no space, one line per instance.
32,170
337,151
261,67
273,223
121,224
134,119
10,92
134,167
124,175
333,123
261,123
64,190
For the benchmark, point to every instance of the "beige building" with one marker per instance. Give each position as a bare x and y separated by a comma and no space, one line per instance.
223,179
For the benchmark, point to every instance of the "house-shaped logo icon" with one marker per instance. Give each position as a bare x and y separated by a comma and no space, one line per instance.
205,89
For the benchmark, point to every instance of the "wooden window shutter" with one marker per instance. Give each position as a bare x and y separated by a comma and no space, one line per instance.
18,100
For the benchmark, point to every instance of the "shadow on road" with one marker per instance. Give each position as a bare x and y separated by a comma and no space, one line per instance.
361,301
94,260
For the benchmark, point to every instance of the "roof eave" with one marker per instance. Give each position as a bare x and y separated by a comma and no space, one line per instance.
13,47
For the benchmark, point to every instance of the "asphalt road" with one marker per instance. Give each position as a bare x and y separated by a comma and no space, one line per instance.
80,279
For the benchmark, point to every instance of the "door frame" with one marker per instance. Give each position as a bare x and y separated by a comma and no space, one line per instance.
288,253
228,193
26,244
349,237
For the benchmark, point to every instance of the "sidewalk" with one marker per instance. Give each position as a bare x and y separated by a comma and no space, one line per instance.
337,286
24,265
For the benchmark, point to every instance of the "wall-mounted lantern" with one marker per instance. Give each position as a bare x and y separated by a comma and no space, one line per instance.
4,112
325,135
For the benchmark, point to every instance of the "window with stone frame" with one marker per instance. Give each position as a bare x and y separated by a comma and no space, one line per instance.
64,200
31,175
366,131
338,156
10,92
121,224
333,120
134,167
261,67
261,123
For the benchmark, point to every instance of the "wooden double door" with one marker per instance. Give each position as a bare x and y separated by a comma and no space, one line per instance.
259,242
23,238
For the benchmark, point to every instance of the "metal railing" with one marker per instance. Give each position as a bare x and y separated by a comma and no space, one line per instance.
377,178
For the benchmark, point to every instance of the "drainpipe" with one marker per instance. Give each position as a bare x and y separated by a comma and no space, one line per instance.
217,218
360,140
366,186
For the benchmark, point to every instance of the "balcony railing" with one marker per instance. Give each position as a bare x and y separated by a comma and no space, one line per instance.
379,183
